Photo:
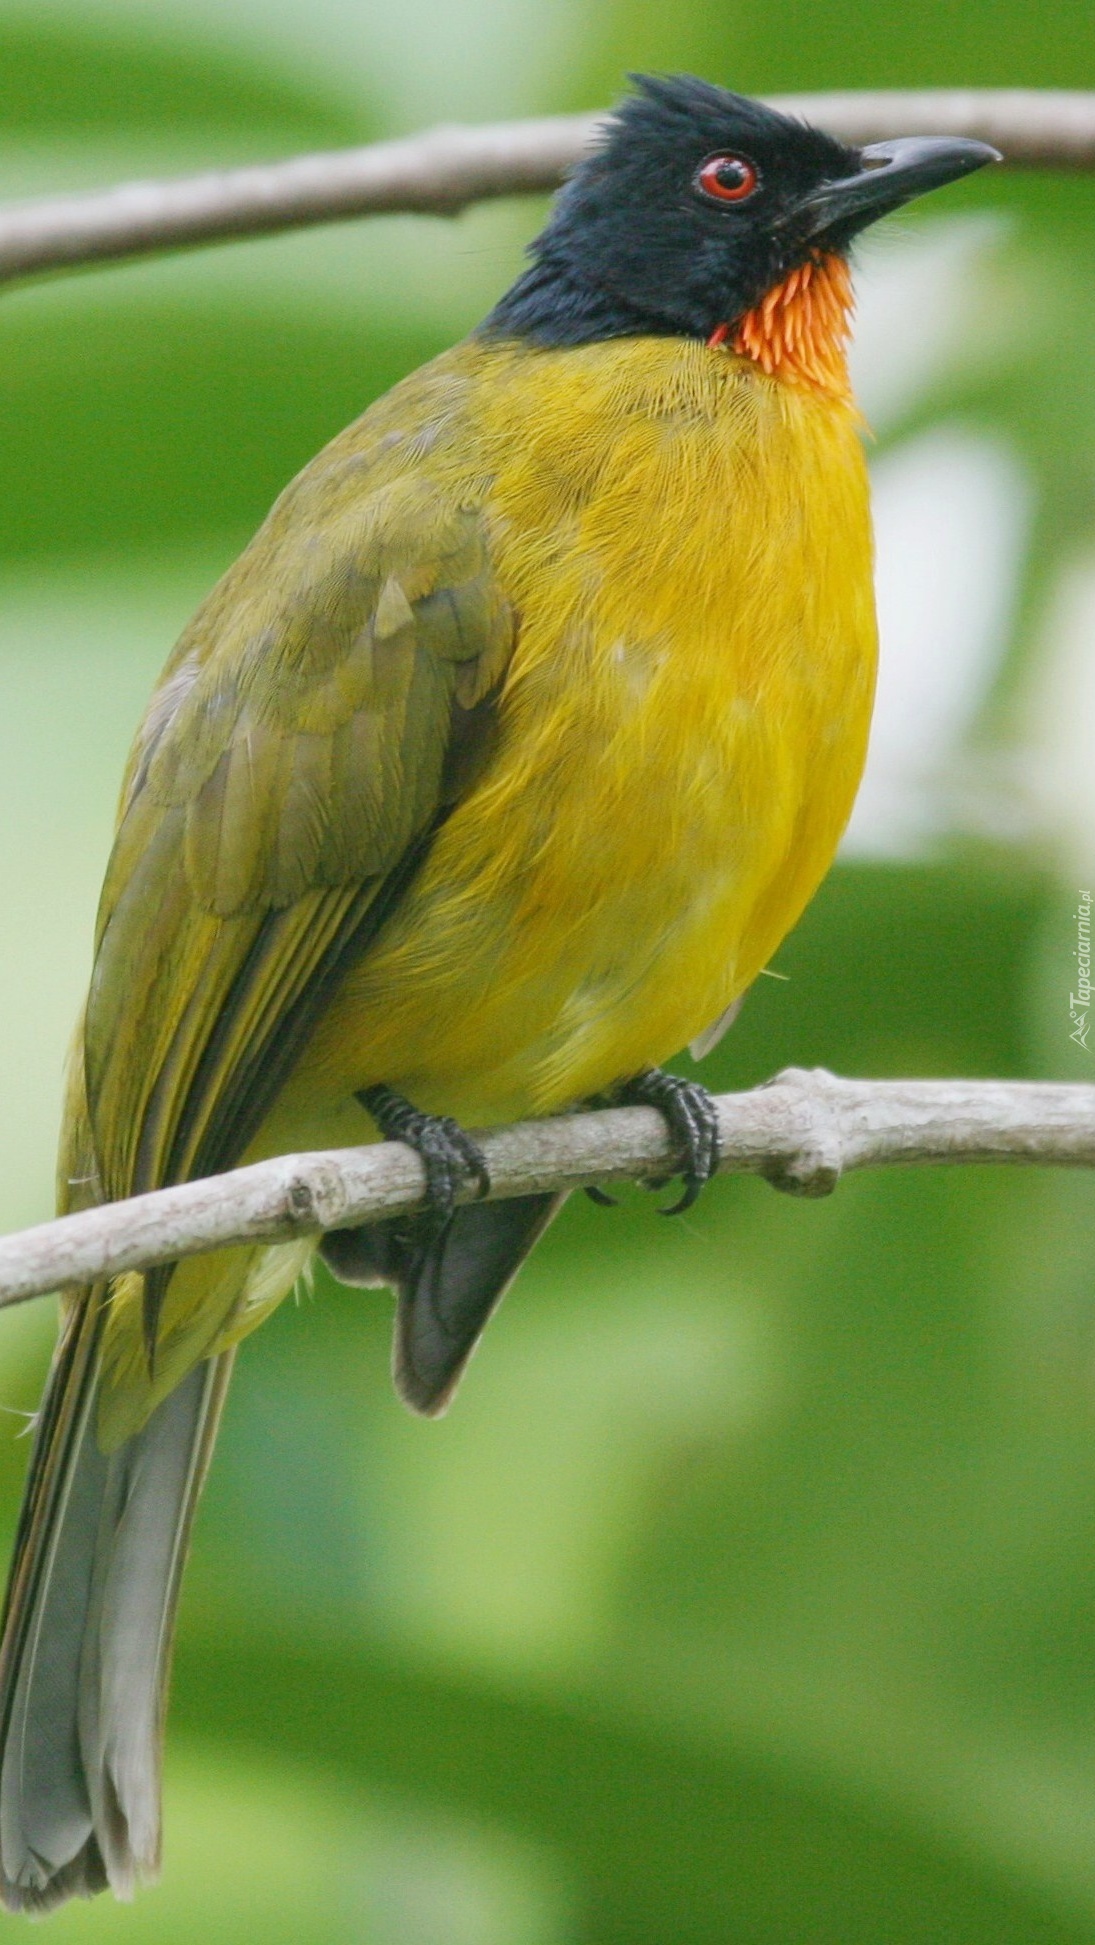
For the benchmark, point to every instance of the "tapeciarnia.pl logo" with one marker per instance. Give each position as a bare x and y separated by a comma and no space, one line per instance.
1079,1002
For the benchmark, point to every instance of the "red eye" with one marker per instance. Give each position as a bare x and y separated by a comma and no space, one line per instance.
726,178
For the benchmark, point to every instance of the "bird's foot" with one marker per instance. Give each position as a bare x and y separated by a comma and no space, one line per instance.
449,1156
693,1124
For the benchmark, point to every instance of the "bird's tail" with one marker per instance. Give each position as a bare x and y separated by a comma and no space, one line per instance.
88,1626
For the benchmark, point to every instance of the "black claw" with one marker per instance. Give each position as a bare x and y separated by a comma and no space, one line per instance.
601,1197
693,1124
470,1155
685,1201
448,1154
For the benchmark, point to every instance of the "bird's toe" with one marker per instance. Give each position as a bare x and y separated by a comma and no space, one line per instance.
449,1155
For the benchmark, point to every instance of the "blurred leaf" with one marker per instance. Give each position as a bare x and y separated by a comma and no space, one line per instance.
666,1839
784,46
917,969
71,76
183,423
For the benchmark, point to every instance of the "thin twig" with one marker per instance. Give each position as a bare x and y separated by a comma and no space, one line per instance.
445,169
803,1131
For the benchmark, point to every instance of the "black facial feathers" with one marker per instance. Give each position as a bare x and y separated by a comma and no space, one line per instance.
634,245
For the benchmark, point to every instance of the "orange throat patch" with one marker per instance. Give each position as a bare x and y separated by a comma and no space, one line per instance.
801,329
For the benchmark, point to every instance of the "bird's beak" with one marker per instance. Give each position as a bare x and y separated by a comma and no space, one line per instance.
890,174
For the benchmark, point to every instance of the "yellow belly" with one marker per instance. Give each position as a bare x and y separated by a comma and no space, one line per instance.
687,544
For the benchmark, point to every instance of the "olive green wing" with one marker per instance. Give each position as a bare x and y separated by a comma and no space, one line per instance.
315,723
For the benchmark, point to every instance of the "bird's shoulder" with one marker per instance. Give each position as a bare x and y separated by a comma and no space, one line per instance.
303,720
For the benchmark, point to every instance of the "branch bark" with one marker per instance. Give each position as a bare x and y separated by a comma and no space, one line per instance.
444,170
802,1132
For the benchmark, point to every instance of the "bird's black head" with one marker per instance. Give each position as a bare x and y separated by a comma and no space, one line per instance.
695,204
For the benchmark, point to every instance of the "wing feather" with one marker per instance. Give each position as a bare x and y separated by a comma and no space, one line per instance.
307,738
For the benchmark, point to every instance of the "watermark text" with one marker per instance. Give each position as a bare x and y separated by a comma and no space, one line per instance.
1079,1002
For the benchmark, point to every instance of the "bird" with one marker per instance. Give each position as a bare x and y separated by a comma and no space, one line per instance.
488,777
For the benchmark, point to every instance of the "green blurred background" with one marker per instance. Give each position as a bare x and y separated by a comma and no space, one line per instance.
748,1593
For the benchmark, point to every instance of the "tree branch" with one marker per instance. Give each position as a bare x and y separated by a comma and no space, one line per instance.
802,1132
445,169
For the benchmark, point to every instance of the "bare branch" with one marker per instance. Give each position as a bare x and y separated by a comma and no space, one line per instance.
803,1131
439,172
1038,128
445,169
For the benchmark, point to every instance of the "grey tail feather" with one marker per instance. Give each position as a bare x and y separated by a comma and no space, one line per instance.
448,1280
88,1628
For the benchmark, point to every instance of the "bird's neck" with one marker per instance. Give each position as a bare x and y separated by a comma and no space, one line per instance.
800,330
552,308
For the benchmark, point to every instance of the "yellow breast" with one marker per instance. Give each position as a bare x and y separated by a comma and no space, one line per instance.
686,543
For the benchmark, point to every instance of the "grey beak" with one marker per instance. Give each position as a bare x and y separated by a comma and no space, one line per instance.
890,174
